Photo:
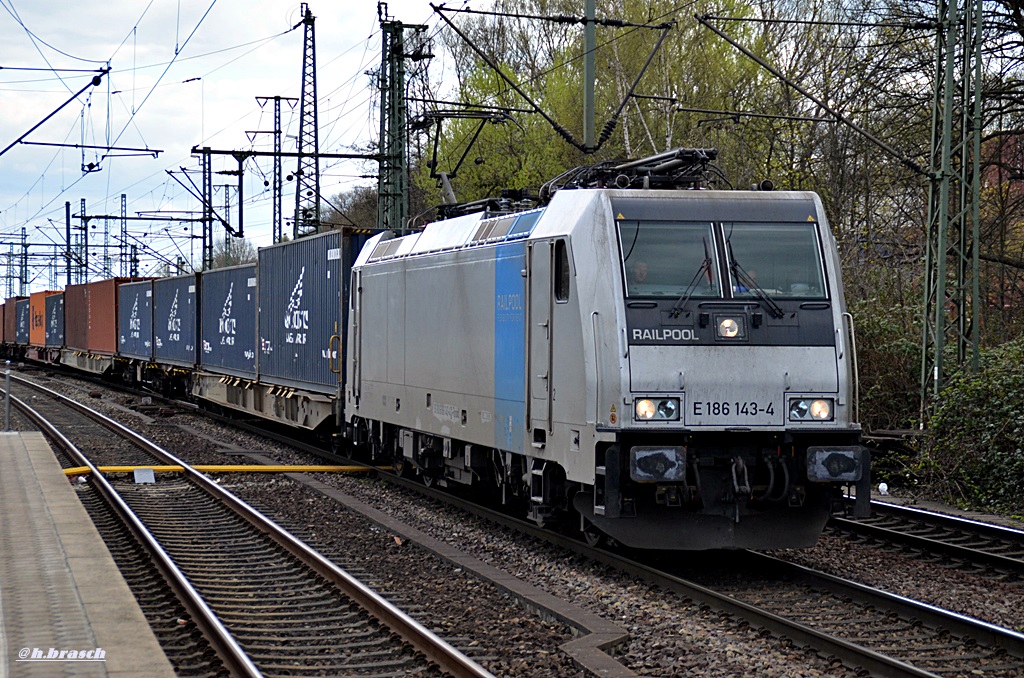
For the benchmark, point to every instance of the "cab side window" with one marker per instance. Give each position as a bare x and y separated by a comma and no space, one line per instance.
562,272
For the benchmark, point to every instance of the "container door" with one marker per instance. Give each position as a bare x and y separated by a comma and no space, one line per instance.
540,341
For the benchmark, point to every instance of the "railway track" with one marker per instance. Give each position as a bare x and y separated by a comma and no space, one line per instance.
184,643
888,634
865,629
991,550
267,603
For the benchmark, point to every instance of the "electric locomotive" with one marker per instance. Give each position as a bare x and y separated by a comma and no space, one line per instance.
673,365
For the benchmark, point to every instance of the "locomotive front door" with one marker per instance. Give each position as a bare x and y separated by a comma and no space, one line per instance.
539,340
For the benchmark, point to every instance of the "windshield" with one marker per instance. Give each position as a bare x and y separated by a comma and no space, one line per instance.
663,258
782,260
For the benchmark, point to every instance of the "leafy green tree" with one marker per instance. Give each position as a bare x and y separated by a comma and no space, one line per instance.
976,437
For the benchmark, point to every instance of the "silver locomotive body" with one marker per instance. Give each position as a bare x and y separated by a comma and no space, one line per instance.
675,367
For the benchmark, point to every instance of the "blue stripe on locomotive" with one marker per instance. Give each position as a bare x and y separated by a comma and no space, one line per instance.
510,347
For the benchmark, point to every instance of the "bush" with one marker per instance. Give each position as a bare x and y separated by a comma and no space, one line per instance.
975,446
888,360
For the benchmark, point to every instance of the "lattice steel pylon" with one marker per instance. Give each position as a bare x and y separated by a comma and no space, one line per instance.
307,176
123,248
278,216
392,180
952,298
83,247
207,179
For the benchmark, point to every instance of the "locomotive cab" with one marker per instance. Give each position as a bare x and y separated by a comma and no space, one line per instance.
738,392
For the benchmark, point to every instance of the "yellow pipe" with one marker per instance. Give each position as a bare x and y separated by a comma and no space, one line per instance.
230,468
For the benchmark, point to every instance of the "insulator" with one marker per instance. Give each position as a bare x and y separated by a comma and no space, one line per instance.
564,133
606,131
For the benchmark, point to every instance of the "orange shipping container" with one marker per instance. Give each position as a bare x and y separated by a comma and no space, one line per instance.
37,318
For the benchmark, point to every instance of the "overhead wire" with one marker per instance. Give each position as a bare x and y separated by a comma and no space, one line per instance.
161,76
332,130
574,58
131,118
35,38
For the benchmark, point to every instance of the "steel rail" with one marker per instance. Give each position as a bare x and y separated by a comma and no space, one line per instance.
432,646
965,553
227,648
946,520
992,634
935,543
851,654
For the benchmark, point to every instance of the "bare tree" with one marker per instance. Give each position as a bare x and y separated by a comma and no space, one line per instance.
232,252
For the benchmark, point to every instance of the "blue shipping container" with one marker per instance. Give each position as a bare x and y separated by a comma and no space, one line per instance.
135,320
228,327
21,332
299,313
175,305
55,320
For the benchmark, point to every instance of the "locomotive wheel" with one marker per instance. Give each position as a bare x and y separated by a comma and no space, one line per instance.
593,536
362,434
376,448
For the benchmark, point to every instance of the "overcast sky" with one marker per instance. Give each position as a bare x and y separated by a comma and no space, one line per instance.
184,73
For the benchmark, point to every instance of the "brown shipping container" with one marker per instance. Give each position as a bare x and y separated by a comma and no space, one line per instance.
2,333
37,318
76,317
103,316
11,318
102,324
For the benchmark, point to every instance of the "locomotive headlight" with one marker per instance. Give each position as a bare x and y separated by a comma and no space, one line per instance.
730,327
668,409
645,409
662,409
821,410
807,409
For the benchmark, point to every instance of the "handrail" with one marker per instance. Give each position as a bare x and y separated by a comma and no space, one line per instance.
334,357
597,368
848,321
